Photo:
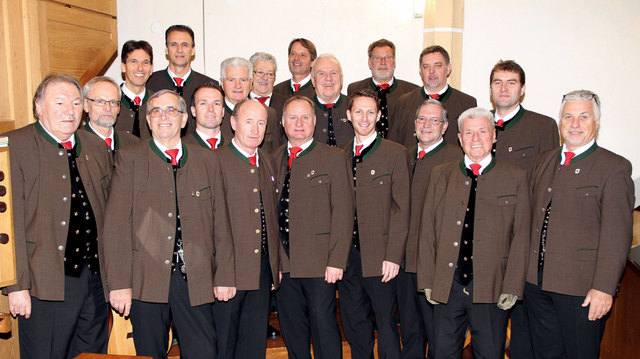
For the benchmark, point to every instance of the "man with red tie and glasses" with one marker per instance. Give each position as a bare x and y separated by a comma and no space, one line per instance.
264,76
208,110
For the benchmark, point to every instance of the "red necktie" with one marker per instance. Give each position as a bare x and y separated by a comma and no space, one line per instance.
296,87
475,168
137,100
173,153
67,145
294,154
421,154
434,96
358,149
252,159
384,86
178,81
567,158
263,99
500,122
329,105
212,142
108,142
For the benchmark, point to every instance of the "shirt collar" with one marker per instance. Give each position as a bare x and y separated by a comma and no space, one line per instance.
100,135
163,149
324,103
506,118
205,137
304,146
172,75
444,89
130,94
483,163
72,138
301,83
253,95
380,83
367,141
247,155
430,148
229,104
580,150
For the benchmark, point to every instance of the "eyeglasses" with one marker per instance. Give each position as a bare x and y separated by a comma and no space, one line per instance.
581,97
100,102
269,75
169,111
430,120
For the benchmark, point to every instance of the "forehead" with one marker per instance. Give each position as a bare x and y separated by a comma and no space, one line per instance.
364,102
237,71
252,110
166,99
179,36
208,93
327,63
506,75
105,89
432,58
58,89
477,123
430,109
382,51
263,65
577,107
299,107
138,54
297,47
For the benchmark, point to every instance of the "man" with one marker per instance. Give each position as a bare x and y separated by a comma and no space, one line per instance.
137,65
60,182
207,109
168,246
382,63
414,312
102,106
521,136
264,76
581,233
249,178
302,53
332,126
435,68
381,181
316,222
473,242
235,75
179,76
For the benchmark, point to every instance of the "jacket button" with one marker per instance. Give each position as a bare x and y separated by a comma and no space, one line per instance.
170,238
256,251
549,189
450,265
166,261
63,223
255,190
64,176
170,214
64,199
455,244
60,153
257,231
256,210
60,248
253,170
458,223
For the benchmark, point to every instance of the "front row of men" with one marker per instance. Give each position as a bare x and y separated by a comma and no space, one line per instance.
174,231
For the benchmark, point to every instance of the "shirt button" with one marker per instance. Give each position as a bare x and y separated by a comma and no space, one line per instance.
64,199
256,210
170,214
257,231
63,223
450,265
458,222
60,248
455,244
256,251
166,261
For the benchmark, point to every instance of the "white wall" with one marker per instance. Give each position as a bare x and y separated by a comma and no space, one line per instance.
562,45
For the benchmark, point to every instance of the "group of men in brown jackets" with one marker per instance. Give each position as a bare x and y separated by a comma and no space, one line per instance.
185,201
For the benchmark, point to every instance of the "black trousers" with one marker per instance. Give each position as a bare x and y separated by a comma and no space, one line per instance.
194,326
560,326
488,326
308,306
360,296
241,323
64,329
520,344
415,315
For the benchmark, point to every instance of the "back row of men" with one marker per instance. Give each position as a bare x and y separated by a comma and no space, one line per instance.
203,236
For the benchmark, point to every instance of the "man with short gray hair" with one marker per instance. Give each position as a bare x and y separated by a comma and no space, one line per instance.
582,200
473,242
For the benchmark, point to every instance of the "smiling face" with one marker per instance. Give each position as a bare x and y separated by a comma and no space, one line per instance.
137,69
60,109
430,126
250,126
506,91
180,48
208,108
103,116
166,128
299,121
327,79
263,85
434,71
363,116
477,136
382,63
299,61
236,83
577,124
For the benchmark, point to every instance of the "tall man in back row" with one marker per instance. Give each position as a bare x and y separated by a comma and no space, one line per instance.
179,76
435,68
581,232
382,63
302,53
136,67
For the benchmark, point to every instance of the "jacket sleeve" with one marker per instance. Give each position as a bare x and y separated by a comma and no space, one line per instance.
426,263
224,257
342,212
400,208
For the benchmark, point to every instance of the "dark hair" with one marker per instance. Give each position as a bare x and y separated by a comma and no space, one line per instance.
212,85
133,45
433,49
381,43
364,93
307,45
52,79
510,66
183,28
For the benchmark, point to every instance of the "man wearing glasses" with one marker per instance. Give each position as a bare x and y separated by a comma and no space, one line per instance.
102,105
382,63
236,77
179,76
137,65
264,76
168,247
581,231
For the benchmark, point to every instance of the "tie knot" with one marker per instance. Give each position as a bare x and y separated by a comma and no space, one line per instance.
137,100
421,154
434,96
384,86
475,168
567,158
108,141
178,81
212,141
253,159
262,99
500,122
329,105
67,145
173,153
358,149
296,87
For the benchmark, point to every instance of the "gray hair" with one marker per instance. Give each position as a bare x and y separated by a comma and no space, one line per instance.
263,56
182,105
431,101
235,62
49,80
582,95
325,56
473,113
89,85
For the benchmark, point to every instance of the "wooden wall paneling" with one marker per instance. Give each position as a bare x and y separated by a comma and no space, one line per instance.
105,7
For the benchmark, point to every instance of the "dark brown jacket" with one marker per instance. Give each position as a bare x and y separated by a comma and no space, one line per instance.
126,116
341,126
